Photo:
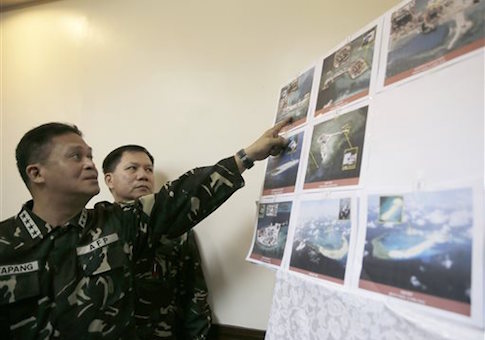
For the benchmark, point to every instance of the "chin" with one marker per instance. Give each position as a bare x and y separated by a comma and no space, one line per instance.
93,191
143,192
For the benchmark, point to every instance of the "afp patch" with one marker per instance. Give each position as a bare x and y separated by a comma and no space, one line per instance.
96,244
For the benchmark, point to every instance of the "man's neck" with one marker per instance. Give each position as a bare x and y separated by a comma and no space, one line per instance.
55,212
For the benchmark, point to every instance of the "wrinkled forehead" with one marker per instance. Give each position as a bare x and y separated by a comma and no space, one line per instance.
135,157
68,141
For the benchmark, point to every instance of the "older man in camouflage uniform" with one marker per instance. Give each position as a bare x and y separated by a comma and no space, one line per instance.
186,314
69,272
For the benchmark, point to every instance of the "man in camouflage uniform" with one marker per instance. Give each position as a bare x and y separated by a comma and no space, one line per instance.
69,272
128,173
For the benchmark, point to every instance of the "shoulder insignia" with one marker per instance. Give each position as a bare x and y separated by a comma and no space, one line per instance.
30,225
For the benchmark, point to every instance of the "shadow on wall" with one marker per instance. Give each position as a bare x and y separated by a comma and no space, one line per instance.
234,253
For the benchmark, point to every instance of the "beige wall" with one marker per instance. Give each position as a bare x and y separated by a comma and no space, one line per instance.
193,81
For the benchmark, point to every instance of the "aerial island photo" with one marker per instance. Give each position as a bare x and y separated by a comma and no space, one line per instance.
282,170
418,247
427,33
336,150
322,237
346,74
271,232
294,99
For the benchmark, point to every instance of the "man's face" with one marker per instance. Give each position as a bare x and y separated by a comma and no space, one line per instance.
132,177
69,169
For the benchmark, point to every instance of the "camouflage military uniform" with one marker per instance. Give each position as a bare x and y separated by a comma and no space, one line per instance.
184,312
79,281
196,312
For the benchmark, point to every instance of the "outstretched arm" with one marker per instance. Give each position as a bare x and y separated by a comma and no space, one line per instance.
181,204
270,143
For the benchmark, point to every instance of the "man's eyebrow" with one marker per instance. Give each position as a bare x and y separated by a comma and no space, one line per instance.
74,147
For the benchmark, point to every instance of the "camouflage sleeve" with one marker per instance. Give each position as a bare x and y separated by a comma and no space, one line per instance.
196,312
183,203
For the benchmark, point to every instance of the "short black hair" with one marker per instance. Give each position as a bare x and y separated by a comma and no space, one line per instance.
113,159
35,146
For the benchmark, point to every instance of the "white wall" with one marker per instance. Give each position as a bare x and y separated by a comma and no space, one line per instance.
193,81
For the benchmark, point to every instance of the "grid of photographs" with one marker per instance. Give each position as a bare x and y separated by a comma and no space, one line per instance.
322,153
421,248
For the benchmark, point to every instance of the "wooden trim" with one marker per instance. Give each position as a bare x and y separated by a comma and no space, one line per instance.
227,332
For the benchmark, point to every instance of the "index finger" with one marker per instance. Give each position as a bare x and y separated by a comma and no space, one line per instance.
278,126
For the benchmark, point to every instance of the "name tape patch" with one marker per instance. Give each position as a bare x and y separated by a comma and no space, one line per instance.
19,268
100,242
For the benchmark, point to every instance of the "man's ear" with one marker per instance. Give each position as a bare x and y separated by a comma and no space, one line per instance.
34,173
108,179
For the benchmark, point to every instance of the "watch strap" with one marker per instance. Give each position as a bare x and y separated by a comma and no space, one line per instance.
246,161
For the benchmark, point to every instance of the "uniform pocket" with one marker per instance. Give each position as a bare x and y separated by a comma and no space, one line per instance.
19,295
101,255
100,293
20,282
107,275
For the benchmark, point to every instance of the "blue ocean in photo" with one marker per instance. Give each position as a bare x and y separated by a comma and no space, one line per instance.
429,251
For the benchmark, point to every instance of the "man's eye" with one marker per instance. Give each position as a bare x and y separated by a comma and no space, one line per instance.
76,156
131,167
150,170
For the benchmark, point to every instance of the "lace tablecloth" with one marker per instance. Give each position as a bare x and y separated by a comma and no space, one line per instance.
303,309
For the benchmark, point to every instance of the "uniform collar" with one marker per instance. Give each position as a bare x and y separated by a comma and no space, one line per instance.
38,228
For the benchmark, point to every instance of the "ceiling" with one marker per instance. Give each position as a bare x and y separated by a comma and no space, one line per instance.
6,5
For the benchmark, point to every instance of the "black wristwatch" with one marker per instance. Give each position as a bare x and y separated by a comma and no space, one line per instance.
246,161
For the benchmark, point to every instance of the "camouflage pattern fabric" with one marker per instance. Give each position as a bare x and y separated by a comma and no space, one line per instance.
92,278
196,312
184,312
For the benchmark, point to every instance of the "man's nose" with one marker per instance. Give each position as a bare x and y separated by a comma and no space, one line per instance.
89,163
142,174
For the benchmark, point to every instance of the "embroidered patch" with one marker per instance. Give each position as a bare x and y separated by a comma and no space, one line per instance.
29,224
96,244
19,268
